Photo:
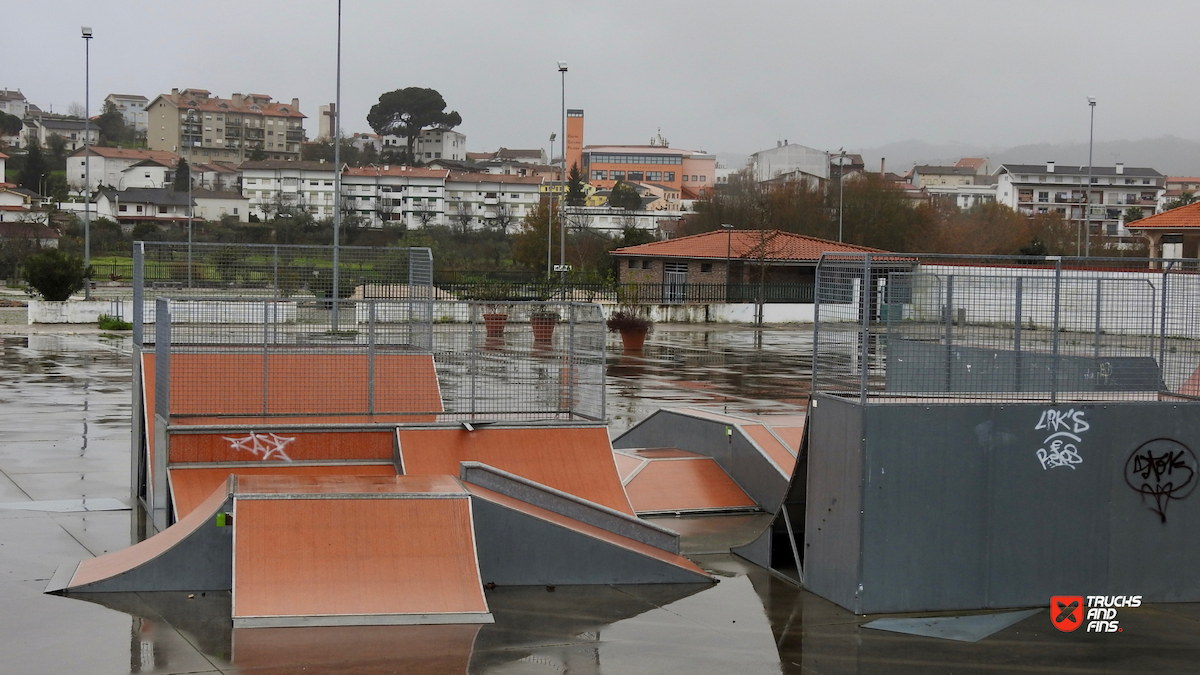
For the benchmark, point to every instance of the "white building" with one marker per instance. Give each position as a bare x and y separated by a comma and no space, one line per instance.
133,109
148,173
138,205
964,196
612,220
1045,188
400,196
110,167
14,103
432,144
71,129
215,205
285,186
476,200
786,158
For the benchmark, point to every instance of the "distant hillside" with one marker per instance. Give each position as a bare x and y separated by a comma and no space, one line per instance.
1170,155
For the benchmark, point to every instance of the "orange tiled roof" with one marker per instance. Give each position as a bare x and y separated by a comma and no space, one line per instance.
163,156
744,244
494,178
198,99
389,170
1184,216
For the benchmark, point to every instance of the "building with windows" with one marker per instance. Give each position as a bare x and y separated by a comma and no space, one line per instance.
399,196
1173,234
281,187
923,175
432,144
115,168
143,205
477,200
14,103
787,158
692,173
42,126
132,108
202,128
1032,189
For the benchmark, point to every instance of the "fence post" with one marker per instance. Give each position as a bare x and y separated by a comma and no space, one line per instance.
139,297
266,354
1099,288
1054,337
571,362
866,292
161,413
949,332
1017,334
1162,323
471,365
816,321
277,289
371,357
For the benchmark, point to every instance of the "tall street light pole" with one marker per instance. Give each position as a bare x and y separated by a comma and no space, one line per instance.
728,249
841,191
550,223
562,177
191,112
1087,216
87,157
337,169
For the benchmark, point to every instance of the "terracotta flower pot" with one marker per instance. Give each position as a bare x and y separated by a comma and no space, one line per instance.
495,324
543,327
633,339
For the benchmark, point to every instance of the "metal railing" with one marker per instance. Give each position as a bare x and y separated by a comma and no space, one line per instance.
392,360
1006,327
630,293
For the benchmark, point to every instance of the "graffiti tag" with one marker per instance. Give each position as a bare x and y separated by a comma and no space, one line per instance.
263,446
1162,469
1061,447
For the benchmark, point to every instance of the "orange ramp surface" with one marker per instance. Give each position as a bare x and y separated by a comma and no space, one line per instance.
674,481
190,486
354,550
265,445
576,460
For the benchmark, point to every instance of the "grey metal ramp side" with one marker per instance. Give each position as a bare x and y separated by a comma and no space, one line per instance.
195,554
565,504
781,546
726,443
520,544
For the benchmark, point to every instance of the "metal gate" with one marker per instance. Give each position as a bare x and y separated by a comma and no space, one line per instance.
674,282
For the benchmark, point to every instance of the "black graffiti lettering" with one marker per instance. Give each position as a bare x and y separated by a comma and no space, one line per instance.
1162,469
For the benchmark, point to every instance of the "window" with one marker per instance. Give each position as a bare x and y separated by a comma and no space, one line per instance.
618,175
705,267
599,175
669,176
703,179
636,175
645,264
162,209
654,176
632,262
1043,196
125,207
685,178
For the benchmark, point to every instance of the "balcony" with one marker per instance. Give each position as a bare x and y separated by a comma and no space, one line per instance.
253,134
232,132
295,135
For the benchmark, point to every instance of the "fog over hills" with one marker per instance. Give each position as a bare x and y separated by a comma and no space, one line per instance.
1170,155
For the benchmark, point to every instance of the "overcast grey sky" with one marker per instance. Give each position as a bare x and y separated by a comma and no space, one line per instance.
729,77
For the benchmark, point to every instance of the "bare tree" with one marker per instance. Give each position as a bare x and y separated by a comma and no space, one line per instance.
423,213
462,215
76,109
504,217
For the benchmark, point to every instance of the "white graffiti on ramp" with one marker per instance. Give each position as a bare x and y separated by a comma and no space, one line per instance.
264,446
1061,447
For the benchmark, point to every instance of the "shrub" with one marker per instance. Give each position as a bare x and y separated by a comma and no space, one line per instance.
109,322
621,321
56,275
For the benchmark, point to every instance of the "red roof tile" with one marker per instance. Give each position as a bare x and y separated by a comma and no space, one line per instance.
388,170
749,244
163,156
1184,216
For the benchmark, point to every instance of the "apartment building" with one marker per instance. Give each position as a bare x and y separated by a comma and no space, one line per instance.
278,186
432,144
132,108
203,128
787,158
1045,188
399,196
477,200
42,126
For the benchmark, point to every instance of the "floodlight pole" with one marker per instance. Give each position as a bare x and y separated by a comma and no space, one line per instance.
728,249
841,202
87,159
562,177
550,223
337,170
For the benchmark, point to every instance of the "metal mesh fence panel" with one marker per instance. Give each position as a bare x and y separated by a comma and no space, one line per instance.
1022,328
389,360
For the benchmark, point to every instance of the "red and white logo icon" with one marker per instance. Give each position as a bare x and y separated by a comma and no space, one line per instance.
1066,612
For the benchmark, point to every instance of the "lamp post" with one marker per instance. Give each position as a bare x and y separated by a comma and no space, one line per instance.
550,223
728,249
87,157
1087,214
337,169
191,111
562,178
841,176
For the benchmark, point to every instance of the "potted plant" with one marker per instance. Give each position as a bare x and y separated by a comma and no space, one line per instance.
631,326
543,321
495,315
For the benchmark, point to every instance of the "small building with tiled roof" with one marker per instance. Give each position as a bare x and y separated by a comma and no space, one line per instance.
784,257
1171,234
110,167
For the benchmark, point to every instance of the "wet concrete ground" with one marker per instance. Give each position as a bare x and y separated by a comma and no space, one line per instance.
64,434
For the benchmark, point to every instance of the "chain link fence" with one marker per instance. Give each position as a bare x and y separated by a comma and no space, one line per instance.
1006,327
247,359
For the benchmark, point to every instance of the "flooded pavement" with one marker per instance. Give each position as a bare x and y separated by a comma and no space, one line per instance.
64,435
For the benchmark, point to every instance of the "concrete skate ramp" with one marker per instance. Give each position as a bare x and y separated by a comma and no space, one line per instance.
523,544
267,445
189,486
340,550
576,460
192,555
668,480
216,384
